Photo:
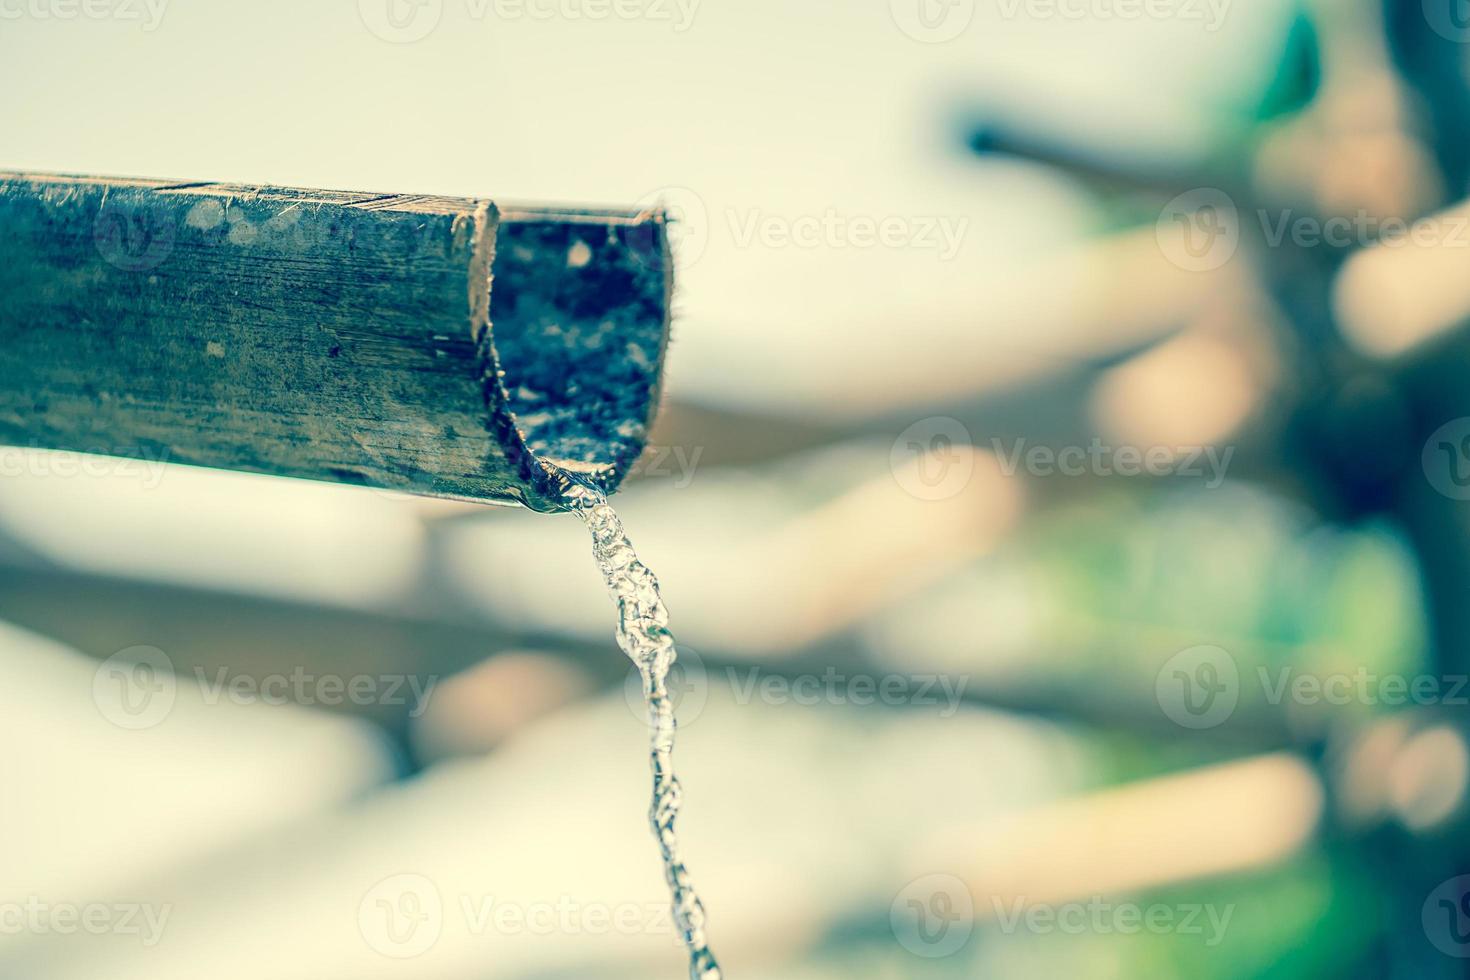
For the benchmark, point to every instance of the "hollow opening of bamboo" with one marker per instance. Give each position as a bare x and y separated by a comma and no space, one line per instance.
578,321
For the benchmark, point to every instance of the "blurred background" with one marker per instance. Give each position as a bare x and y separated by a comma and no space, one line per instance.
1060,496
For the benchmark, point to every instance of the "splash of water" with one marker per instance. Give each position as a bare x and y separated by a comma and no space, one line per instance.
643,634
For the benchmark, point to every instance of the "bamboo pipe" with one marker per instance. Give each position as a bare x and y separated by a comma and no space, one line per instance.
337,336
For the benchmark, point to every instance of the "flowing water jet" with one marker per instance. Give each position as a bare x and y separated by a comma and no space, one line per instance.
643,634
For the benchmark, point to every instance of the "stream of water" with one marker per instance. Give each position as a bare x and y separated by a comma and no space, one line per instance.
643,634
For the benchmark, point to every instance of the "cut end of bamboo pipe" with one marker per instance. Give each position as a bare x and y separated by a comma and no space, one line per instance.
578,329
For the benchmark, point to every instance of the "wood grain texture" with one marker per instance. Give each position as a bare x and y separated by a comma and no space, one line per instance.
329,335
